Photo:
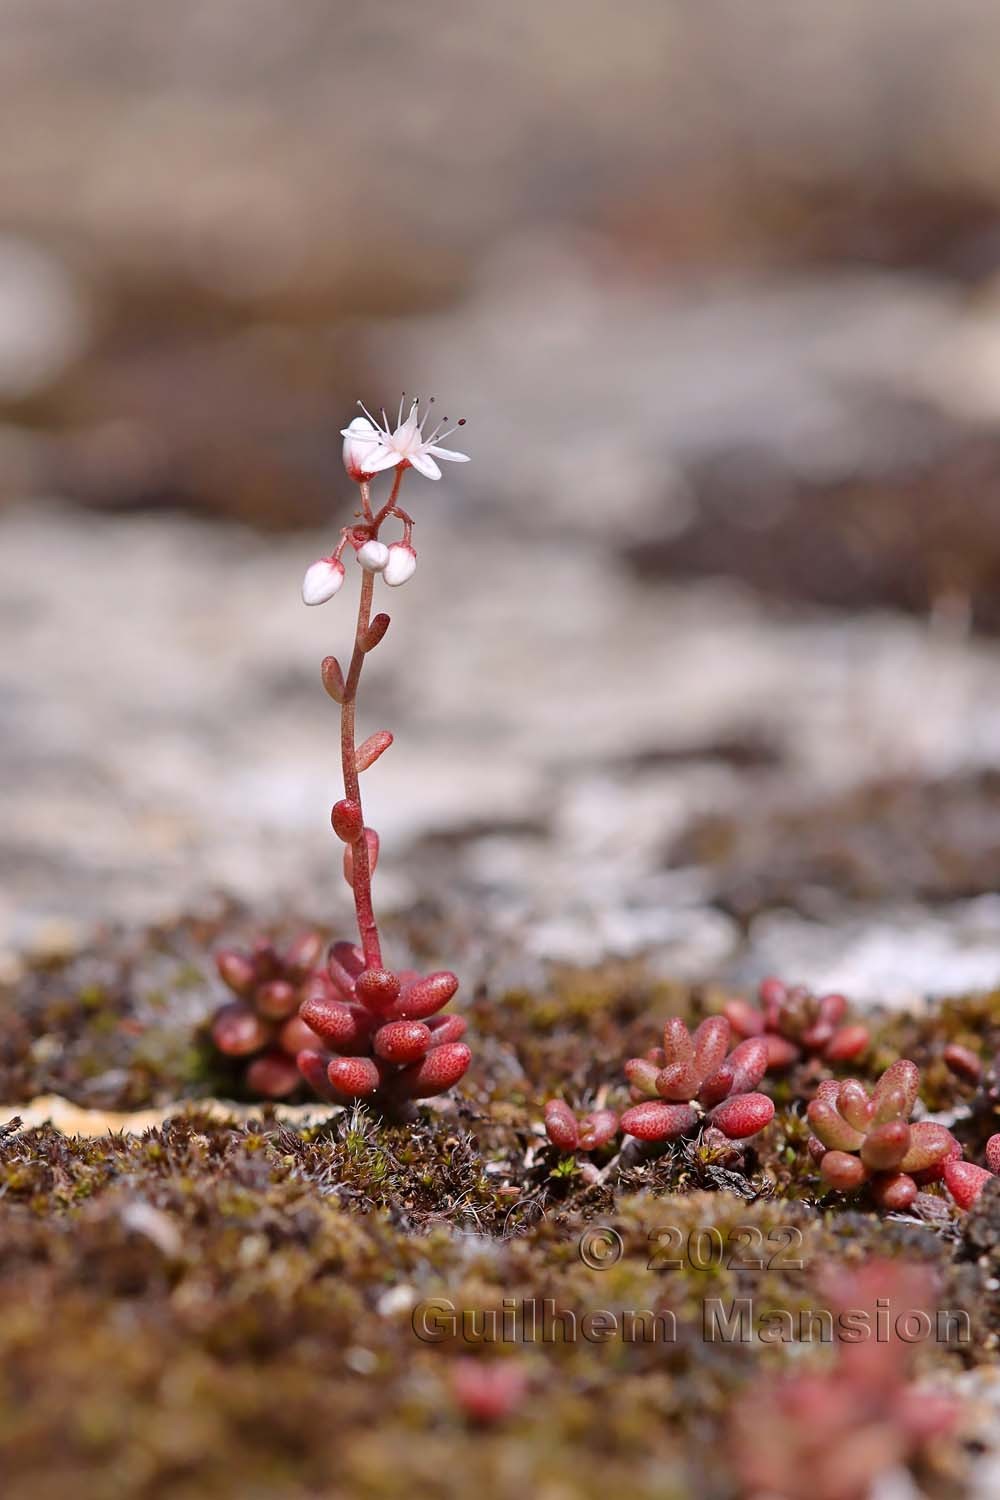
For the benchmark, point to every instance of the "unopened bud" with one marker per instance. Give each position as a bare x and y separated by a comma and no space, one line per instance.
401,566
373,556
322,580
360,442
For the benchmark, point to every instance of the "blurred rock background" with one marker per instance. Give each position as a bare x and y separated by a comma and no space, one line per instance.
701,656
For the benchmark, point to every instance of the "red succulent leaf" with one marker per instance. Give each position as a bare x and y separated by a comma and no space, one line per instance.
402,1041
560,1125
847,1043
965,1181
842,1171
378,989
658,1121
236,971
238,1031
748,1061
930,1146
711,1043
993,1153
597,1128
424,997
894,1191
439,1070
354,1077
273,1074
744,1018
743,1115
885,1146
445,1029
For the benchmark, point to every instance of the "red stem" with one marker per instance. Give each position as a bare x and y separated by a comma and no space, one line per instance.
362,882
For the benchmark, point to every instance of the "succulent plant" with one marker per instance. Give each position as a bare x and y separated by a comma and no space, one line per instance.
832,1434
261,1024
382,1038
965,1180
695,1077
863,1137
571,1132
380,1034
794,1023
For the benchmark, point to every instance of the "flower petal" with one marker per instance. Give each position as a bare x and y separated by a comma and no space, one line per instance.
456,458
425,465
382,458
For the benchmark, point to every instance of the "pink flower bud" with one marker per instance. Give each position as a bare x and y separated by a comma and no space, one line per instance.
361,439
373,556
322,580
401,566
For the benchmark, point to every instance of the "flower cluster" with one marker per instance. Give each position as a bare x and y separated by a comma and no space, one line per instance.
380,1036
262,1024
572,1132
371,448
793,1022
832,1434
695,1077
865,1137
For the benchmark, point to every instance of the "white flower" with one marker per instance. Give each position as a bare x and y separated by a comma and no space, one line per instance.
373,556
322,580
405,445
401,565
361,439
